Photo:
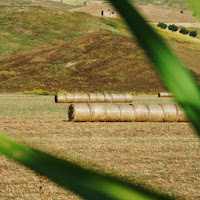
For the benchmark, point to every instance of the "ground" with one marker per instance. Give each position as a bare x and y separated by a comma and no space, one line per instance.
164,156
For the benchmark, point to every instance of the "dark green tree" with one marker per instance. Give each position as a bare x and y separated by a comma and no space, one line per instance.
162,25
184,31
193,33
173,28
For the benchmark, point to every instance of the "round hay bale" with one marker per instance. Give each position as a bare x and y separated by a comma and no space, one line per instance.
170,112
108,97
128,97
118,97
156,113
60,98
77,97
112,113
165,94
79,112
127,113
69,98
141,112
85,98
181,115
97,112
100,97
92,97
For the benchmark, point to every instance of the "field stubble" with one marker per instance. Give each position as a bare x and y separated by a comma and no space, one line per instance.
164,156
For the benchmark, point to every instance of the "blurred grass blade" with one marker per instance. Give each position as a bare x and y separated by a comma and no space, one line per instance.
88,184
171,70
195,4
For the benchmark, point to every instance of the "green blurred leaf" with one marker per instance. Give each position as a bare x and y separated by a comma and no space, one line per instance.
88,184
171,70
195,4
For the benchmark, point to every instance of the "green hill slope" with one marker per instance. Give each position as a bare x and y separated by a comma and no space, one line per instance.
51,49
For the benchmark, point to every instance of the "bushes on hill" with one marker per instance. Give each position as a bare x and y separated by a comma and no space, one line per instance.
173,28
162,25
193,33
184,31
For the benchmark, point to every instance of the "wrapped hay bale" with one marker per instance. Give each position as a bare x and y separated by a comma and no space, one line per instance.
85,98
97,112
156,113
127,113
100,97
118,97
128,97
92,97
141,112
60,98
79,112
112,113
165,94
108,97
170,112
181,115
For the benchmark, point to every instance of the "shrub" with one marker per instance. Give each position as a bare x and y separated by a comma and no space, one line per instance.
173,28
184,31
193,33
162,25
181,12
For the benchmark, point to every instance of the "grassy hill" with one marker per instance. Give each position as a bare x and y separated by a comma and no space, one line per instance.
52,49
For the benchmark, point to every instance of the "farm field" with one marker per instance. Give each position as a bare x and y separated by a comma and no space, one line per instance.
164,156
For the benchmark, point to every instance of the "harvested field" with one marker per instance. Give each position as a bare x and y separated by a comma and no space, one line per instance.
164,156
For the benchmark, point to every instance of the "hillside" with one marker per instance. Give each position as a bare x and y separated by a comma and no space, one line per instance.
52,49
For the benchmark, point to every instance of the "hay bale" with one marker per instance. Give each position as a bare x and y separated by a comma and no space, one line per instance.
60,98
170,112
127,113
77,97
97,112
141,112
112,113
156,113
118,97
92,97
79,112
69,98
128,97
100,97
165,94
108,97
85,98
181,116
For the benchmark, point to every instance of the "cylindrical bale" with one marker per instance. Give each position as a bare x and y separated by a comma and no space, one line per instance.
60,98
156,113
181,115
69,98
112,113
127,113
128,97
118,97
165,94
97,112
170,112
100,97
79,112
78,97
108,97
85,98
92,97
141,112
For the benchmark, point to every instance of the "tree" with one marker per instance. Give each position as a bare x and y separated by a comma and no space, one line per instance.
162,25
173,28
193,33
184,31
181,12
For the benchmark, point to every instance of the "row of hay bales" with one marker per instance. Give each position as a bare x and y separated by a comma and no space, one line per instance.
85,112
92,97
165,94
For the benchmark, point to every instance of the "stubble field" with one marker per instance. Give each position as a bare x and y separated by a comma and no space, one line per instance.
164,156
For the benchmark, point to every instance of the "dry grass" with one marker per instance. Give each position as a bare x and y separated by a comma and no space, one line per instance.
160,155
